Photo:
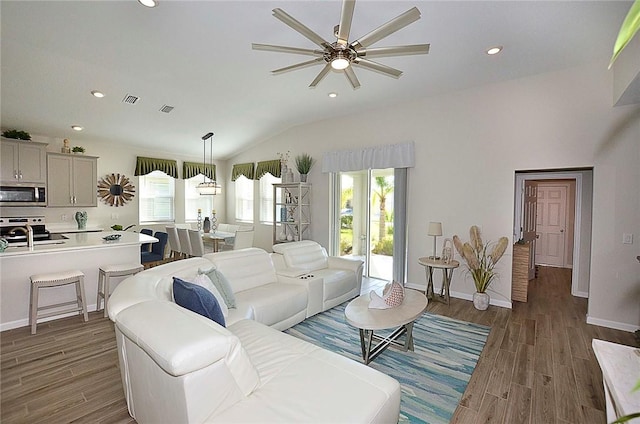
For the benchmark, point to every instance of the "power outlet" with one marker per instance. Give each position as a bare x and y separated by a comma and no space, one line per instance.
114,216
64,217
627,238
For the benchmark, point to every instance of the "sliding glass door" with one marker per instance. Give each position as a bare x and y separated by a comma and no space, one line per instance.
366,219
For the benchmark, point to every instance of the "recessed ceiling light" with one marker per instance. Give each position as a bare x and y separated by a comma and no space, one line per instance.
333,95
98,94
148,3
494,50
76,127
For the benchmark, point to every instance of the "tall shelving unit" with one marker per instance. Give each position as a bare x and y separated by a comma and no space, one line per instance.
291,212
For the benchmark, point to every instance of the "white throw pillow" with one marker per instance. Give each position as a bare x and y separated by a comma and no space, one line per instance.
204,281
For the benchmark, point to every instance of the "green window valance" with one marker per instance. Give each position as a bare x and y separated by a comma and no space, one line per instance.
145,166
191,169
270,166
246,169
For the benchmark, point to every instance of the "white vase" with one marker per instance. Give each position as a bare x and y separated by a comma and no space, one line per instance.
481,301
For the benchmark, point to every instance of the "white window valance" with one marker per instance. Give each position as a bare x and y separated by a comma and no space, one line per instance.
378,157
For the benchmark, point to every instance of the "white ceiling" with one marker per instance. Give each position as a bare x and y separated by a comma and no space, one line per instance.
197,57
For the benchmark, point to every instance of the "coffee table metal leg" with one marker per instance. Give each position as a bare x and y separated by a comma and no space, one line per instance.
408,342
362,344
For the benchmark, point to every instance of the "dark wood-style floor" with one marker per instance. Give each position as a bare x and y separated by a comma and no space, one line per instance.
537,366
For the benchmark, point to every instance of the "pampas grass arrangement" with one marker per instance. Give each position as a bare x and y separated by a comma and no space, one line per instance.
481,258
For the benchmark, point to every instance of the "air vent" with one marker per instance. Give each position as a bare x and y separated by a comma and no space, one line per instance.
130,99
166,108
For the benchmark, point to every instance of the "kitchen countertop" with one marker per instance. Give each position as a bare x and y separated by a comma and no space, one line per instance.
80,241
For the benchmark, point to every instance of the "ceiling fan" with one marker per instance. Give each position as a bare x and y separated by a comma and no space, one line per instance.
342,54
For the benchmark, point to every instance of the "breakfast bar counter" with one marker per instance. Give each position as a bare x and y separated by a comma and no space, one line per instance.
82,251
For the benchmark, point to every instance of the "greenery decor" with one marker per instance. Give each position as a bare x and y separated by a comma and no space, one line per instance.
630,26
17,135
304,162
479,263
77,149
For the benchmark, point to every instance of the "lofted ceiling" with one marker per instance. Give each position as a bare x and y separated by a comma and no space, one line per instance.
196,56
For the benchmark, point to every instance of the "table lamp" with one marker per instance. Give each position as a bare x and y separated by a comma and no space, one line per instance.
435,230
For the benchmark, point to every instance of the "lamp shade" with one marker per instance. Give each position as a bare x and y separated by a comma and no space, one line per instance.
435,229
209,188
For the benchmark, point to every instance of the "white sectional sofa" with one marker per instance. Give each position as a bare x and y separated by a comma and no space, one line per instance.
180,367
331,280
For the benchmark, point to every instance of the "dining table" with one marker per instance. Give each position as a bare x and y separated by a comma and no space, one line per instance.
217,238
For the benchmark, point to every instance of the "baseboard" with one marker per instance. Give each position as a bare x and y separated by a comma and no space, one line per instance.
464,296
25,322
492,301
612,324
581,294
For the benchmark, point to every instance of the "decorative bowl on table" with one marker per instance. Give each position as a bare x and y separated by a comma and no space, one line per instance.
112,237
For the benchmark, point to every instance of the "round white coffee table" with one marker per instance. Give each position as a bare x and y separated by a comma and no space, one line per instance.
368,320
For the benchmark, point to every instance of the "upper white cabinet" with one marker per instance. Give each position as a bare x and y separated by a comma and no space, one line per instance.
71,180
22,161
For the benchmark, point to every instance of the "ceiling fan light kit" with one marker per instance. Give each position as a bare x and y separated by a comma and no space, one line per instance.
341,55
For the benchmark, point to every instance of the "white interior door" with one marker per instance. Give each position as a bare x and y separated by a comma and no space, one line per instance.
551,223
529,221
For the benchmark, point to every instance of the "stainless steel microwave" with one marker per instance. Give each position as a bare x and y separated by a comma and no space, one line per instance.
26,195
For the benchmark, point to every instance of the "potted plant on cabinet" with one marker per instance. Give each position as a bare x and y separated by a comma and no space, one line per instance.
78,150
304,162
480,263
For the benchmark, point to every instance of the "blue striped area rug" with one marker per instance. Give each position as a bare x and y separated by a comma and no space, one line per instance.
433,378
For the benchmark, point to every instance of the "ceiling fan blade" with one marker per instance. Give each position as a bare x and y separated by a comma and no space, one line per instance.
389,28
320,76
284,49
394,51
345,21
298,26
351,76
297,66
375,66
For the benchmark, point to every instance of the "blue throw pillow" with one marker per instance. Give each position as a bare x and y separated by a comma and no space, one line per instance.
197,299
222,284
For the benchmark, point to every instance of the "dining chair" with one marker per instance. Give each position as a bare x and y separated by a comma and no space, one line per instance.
174,242
197,245
156,255
146,247
243,239
185,243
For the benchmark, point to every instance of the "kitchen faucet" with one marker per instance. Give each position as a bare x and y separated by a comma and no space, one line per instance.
25,230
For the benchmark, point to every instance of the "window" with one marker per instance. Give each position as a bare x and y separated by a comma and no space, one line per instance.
156,197
266,197
194,201
244,199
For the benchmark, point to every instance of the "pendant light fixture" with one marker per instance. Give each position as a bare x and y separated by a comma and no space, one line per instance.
208,188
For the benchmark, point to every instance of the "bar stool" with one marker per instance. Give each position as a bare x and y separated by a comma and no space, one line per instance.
56,279
104,280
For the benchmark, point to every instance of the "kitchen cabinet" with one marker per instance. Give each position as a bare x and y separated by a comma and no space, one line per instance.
71,180
23,161
291,212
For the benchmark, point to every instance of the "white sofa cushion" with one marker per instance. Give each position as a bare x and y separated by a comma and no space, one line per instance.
337,282
300,382
272,303
304,254
245,268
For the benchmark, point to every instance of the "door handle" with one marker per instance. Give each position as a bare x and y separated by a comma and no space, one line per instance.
562,231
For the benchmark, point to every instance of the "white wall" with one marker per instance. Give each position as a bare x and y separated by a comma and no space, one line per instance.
118,158
468,146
